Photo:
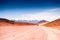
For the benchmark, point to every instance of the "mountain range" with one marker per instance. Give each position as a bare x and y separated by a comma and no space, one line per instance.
7,22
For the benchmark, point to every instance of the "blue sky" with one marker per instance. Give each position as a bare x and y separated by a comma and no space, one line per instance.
30,9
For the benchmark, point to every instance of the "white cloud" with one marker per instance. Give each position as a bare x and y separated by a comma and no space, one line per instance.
50,14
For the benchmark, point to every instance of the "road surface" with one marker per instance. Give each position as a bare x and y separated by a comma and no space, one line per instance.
29,33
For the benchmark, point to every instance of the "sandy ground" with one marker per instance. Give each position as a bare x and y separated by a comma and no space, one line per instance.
29,33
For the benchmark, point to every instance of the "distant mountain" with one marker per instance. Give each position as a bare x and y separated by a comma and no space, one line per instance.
7,22
28,21
53,23
42,21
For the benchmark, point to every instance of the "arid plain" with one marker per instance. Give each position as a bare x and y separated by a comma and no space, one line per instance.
29,32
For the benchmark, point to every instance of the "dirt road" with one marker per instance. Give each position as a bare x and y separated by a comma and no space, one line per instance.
29,33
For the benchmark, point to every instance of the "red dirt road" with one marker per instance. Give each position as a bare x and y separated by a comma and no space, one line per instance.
29,33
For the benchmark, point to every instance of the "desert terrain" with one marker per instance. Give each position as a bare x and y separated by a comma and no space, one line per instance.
29,32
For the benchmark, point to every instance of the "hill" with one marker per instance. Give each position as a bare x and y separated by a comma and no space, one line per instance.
53,23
